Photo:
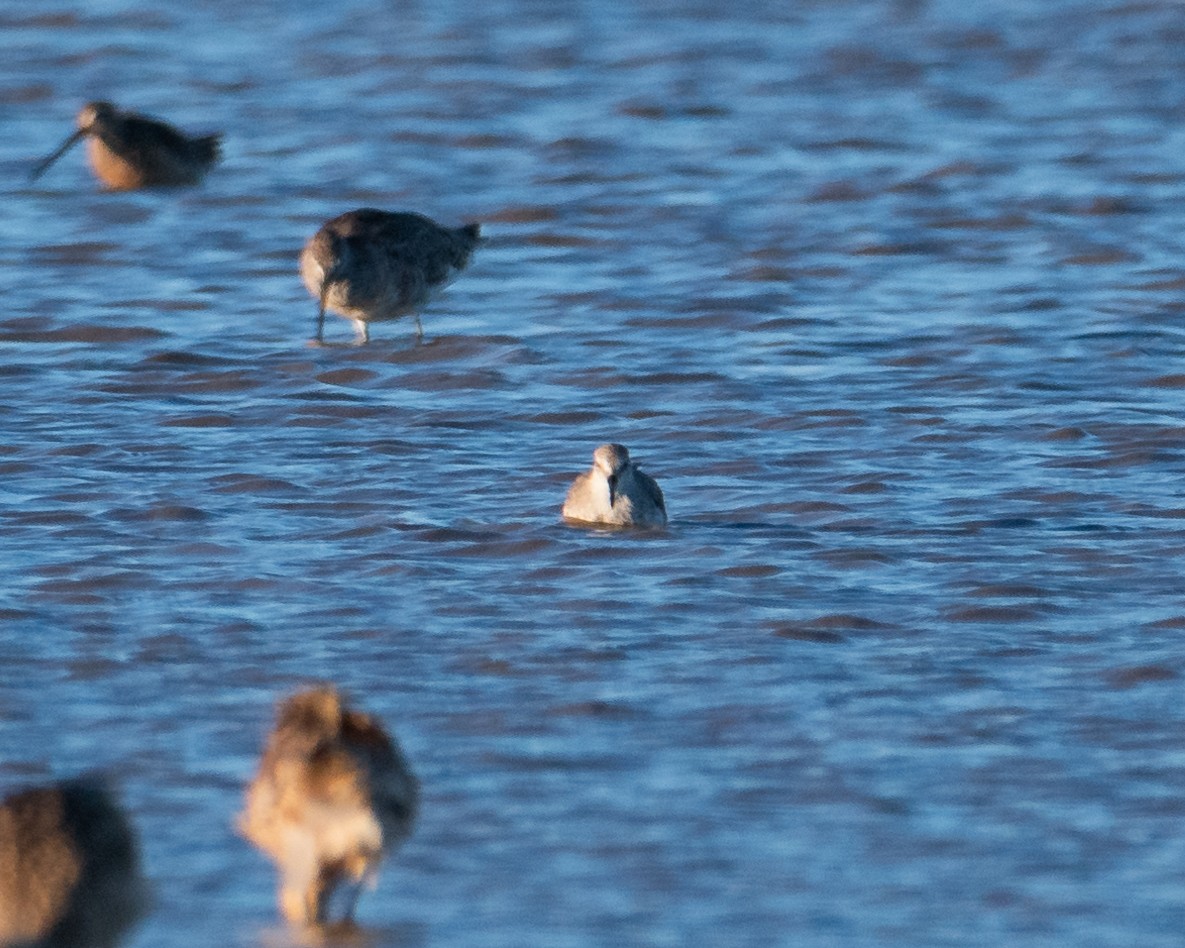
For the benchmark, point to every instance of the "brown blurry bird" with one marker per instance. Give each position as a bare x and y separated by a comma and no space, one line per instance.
372,265
333,795
69,867
129,151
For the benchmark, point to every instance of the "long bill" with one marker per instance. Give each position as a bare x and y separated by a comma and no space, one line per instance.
39,170
321,310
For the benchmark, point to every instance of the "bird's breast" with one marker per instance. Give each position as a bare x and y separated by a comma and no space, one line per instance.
115,172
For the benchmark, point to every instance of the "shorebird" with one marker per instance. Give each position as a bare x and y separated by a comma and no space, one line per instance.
615,492
69,867
373,265
333,795
129,151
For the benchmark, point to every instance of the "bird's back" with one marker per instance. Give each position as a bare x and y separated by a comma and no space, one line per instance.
151,152
385,263
649,505
414,239
69,867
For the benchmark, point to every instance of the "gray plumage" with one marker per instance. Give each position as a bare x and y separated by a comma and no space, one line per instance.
615,492
371,265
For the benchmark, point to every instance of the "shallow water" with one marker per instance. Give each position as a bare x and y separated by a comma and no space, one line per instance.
887,295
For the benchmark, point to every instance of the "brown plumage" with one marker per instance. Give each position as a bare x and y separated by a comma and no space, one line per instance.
333,795
69,868
129,151
371,265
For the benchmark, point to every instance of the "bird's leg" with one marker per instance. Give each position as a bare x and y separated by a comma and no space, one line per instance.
317,898
349,900
300,884
295,905
321,313
361,332
419,330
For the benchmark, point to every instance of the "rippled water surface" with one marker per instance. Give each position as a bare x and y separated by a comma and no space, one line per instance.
887,295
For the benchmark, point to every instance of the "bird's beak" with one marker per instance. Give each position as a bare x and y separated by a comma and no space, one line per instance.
612,480
321,310
62,149
328,278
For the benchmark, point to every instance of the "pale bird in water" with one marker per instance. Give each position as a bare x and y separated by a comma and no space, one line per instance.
373,265
615,492
69,868
129,151
333,795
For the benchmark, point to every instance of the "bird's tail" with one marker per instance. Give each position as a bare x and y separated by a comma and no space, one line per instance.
468,237
208,149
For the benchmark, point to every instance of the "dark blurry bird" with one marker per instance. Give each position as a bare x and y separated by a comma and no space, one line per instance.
614,491
373,265
69,867
333,795
129,151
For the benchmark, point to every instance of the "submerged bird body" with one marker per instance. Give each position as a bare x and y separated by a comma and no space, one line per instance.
371,265
129,151
615,492
69,868
333,795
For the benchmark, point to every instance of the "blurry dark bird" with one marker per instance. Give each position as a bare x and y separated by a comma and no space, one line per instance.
373,265
69,867
333,795
129,151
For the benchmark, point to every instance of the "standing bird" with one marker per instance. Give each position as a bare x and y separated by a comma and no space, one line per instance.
615,492
129,151
69,867
372,265
333,795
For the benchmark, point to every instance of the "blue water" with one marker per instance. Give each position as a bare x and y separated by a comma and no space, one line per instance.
887,295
